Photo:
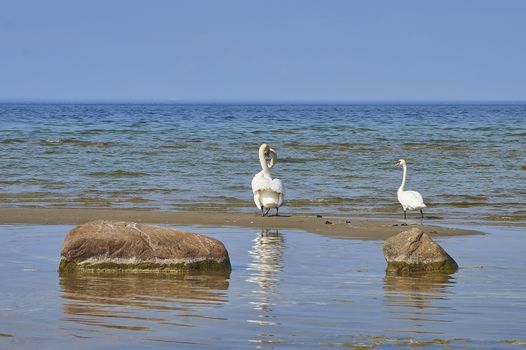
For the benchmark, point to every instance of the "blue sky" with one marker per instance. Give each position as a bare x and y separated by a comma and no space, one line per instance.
272,50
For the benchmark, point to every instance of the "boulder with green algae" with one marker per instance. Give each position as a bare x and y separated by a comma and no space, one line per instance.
117,246
415,251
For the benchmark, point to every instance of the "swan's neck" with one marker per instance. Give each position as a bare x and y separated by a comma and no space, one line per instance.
263,162
404,177
273,158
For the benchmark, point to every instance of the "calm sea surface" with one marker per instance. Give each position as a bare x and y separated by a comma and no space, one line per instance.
465,159
287,290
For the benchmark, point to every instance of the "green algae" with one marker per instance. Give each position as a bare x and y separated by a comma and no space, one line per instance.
405,268
473,267
374,342
520,342
205,266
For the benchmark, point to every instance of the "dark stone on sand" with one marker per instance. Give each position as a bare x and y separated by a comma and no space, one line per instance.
117,246
415,251
328,222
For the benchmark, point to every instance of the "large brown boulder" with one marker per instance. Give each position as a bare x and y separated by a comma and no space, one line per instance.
109,246
415,251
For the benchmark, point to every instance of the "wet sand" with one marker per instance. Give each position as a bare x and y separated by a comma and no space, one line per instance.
333,227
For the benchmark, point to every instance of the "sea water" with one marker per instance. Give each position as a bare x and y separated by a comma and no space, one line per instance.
466,160
287,290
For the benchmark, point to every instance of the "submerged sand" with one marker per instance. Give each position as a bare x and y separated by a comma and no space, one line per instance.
334,227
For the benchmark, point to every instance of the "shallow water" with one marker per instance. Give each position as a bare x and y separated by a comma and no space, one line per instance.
287,290
465,159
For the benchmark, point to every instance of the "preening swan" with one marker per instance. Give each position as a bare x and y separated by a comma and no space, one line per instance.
268,193
410,200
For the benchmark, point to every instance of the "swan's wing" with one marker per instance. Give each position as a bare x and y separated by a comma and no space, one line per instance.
255,180
261,183
277,186
256,199
412,200
417,197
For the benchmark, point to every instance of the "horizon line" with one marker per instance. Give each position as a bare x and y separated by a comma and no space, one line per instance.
246,102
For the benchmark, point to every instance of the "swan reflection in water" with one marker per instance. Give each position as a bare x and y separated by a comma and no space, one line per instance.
144,302
264,272
418,299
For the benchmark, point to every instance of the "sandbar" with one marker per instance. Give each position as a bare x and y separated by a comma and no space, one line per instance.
334,227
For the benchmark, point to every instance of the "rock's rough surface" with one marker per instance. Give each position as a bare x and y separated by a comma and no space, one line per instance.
109,246
415,251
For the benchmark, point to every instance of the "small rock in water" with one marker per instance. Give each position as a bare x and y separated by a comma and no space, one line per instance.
415,251
523,167
109,246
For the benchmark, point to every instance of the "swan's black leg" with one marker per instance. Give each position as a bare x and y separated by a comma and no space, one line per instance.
405,216
422,213
266,213
277,211
262,213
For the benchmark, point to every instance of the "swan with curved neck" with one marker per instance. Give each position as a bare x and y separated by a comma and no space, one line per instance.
410,200
268,193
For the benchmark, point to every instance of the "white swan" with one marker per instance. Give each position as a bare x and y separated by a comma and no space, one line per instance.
268,193
410,200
